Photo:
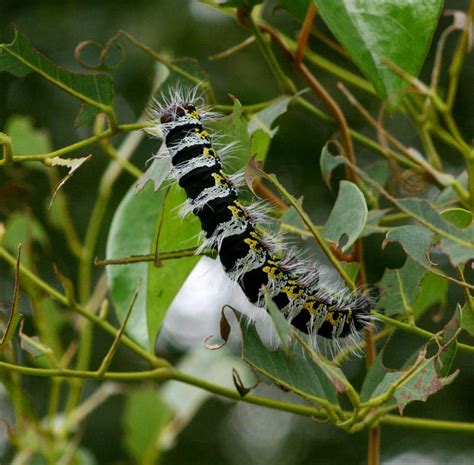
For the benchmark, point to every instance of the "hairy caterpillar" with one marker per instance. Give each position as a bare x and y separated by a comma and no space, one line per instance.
248,256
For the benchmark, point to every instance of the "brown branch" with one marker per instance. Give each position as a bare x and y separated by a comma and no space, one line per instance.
304,34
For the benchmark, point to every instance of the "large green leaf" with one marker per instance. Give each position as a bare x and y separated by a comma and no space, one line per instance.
399,31
133,232
165,281
93,89
348,217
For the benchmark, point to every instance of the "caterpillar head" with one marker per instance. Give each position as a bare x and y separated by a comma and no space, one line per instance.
181,112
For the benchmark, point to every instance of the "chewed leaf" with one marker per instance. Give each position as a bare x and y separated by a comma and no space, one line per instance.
457,243
94,90
418,381
377,31
157,173
415,240
328,162
73,164
265,118
348,217
399,287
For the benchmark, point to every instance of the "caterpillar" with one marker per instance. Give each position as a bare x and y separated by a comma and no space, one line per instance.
249,256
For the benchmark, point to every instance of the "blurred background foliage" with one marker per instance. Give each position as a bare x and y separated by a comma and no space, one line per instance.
220,432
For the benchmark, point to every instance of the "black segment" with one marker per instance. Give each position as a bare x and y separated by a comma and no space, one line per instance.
252,283
198,180
214,213
188,153
301,320
174,135
234,247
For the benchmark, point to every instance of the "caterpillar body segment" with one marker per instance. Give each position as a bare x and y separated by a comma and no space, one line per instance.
248,256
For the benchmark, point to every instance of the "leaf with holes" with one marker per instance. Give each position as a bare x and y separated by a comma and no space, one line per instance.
420,379
415,240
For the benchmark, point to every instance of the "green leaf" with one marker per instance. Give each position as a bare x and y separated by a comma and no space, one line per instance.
433,291
38,350
399,287
260,143
457,243
348,217
165,281
293,371
133,232
399,31
415,240
157,173
467,319
25,229
234,131
351,268
418,381
20,59
459,217
296,8
144,419
448,194
265,118
27,140
292,218
328,162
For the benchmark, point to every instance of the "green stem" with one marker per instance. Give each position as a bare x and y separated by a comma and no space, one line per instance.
363,140
470,180
418,331
284,82
330,67
62,299
6,143
422,423
314,231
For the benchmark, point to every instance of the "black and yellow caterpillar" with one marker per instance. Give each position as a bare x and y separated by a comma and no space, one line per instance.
247,255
